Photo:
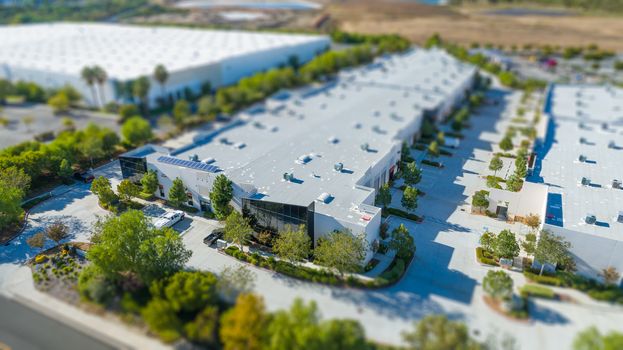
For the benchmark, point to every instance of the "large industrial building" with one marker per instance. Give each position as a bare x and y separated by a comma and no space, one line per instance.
53,55
316,156
581,160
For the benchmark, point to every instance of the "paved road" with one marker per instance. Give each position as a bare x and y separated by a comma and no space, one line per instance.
24,329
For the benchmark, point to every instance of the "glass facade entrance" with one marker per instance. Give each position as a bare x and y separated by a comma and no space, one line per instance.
133,168
275,217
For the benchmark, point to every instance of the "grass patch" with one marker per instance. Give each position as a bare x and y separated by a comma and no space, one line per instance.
536,291
505,155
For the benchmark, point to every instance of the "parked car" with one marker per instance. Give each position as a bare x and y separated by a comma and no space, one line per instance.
169,219
84,176
213,237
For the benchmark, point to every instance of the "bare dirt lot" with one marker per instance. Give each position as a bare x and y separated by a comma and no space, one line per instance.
475,24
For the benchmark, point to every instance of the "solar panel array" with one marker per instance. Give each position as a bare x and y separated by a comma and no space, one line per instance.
189,164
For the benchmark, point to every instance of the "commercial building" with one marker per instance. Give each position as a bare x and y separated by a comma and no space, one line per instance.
581,160
54,54
317,155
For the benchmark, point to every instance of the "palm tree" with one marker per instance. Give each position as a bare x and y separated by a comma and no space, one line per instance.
161,75
140,89
100,76
88,75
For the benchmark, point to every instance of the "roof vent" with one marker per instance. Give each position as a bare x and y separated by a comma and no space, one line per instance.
617,184
365,146
377,113
338,167
240,145
590,219
288,176
333,139
620,217
325,197
194,158
209,160
304,159
604,126
585,181
357,125
582,158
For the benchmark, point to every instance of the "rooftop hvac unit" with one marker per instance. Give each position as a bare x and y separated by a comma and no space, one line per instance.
604,126
209,160
582,158
288,176
617,184
325,197
338,167
590,219
333,139
582,140
612,144
194,158
365,146
620,217
585,181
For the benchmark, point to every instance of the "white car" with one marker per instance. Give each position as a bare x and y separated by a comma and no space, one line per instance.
169,219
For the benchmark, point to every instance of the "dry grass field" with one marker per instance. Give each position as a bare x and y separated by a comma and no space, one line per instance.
475,24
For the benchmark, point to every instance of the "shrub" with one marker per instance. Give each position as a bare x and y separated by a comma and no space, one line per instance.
41,258
548,280
402,213
484,257
93,286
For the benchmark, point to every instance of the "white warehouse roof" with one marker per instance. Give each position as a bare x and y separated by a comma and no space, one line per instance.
127,52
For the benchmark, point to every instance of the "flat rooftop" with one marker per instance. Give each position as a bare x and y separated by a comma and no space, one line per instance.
126,51
587,121
307,131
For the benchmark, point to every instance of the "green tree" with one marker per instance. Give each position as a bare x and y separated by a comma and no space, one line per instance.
127,111
514,183
127,190
529,244
57,231
342,335
191,291
203,329
551,249
243,326
498,285
177,193
384,196
161,318
100,76
181,112
102,189
411,174
402,242
206,106
487,241
161,75
507,143
129,244
296,328
293,245
59,103
10,206
140,89
592,339
222,193
436,332
237,229
64,170
506,245
149,182
92,148
433,41
16,178
405,153
88,75
136,131
409,198
433,148
341,250
496,164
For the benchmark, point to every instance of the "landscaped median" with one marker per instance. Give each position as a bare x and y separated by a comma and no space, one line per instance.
391,275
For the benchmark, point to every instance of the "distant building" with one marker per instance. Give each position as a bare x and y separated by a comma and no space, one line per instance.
494,56
316,156
581,159
54,54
